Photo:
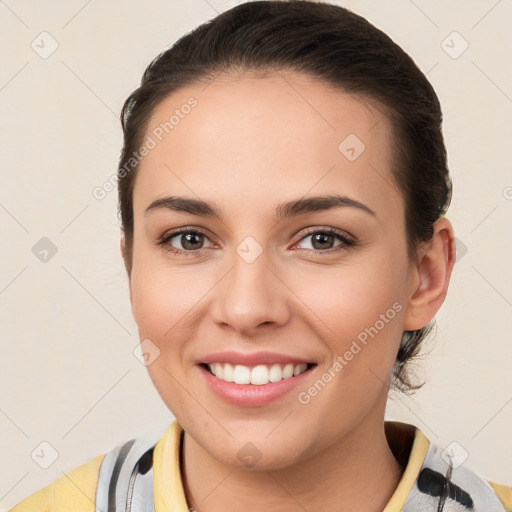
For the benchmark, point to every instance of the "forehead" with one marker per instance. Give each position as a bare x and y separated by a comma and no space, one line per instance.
244,139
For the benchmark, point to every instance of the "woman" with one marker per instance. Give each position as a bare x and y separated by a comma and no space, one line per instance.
282,191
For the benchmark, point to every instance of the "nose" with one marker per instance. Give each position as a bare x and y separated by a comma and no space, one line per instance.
252,296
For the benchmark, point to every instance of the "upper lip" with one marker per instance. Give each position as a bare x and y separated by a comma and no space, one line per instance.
252,359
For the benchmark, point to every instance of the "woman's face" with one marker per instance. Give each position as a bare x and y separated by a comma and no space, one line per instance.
266,280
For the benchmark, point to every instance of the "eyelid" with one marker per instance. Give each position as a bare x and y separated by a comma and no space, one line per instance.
330,230
346,239
165,238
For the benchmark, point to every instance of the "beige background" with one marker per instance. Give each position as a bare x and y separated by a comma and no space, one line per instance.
68,375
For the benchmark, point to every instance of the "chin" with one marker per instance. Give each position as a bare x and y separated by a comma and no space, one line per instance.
249,458
255,453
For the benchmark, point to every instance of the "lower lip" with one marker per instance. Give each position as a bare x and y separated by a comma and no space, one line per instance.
251,395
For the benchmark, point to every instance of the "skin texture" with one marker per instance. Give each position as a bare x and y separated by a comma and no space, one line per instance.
249,144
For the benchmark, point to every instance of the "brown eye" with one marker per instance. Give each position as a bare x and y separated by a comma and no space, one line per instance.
323,240
186,241
190,241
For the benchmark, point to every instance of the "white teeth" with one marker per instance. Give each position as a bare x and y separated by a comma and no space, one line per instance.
242,374
288,371
228,373
275,373
218,370
299,369
257,375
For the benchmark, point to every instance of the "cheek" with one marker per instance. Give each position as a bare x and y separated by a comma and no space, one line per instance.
168,305
348,299
358,311
163,308
164,298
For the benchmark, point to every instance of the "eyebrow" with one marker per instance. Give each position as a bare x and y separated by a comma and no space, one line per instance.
284,210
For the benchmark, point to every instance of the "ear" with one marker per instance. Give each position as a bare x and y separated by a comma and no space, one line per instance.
430,276
123,254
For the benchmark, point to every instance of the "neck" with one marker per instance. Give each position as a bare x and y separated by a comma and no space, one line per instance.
359,472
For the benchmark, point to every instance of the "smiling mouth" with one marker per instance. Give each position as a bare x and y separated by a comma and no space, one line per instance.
258,375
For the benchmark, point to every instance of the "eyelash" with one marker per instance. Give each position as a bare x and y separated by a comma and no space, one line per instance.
346,241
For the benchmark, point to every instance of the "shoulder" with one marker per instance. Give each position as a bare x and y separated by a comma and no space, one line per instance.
504,493
93,486
74,490
445,478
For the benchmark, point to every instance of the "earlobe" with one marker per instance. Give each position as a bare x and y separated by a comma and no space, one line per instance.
431,276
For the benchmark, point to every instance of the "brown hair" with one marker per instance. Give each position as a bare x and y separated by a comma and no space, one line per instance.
335,46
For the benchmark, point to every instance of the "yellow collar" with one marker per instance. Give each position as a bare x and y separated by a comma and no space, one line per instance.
168,485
